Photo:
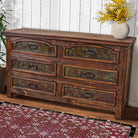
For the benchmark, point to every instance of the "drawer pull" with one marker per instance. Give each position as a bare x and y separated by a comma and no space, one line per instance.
34,67
33,46
90,52
88,95
89,75
32,86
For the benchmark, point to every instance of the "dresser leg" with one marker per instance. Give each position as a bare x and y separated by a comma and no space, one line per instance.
117,116
10,95
119,113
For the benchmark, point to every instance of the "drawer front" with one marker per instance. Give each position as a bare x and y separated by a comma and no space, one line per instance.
35,47
48,87
88,94
92,53
90,74
47,68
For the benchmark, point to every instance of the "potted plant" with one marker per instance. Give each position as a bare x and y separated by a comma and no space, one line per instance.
3,24
118,12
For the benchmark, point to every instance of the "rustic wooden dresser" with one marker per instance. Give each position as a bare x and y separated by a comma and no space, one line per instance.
82,69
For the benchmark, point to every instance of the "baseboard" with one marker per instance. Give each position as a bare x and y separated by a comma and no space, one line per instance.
133,104
132,107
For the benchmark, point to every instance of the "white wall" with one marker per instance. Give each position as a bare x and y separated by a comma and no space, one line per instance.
71,15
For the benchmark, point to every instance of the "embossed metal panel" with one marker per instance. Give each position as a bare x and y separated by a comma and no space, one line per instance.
90,74
35,47
47,68
35,85
92,53
88,94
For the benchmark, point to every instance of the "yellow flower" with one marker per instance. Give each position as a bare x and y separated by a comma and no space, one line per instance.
116,10
119,14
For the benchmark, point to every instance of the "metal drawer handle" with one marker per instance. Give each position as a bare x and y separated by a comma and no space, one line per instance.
33,46
32,86
89,75
32,66
90,52
89,95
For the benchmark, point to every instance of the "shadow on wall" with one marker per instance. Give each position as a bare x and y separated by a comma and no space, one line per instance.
133,92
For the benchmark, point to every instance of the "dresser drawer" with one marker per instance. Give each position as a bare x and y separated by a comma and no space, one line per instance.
94,53
69,91
47,68
47,87
35,47
79,73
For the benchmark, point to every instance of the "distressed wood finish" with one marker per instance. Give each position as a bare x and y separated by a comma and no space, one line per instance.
89,74
47,87
47,68
34,47
88,94
102,54
84,69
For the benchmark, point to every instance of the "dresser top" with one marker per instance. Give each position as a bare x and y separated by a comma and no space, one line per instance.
65,34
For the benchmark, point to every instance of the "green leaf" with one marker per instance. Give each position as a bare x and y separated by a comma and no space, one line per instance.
2,54
2,60
3,40
3,26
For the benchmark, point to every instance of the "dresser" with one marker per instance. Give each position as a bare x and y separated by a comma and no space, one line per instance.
89,70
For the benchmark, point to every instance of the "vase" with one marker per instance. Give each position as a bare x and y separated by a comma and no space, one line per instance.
120,30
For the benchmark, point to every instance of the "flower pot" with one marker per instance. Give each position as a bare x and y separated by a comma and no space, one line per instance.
2,79
120,31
